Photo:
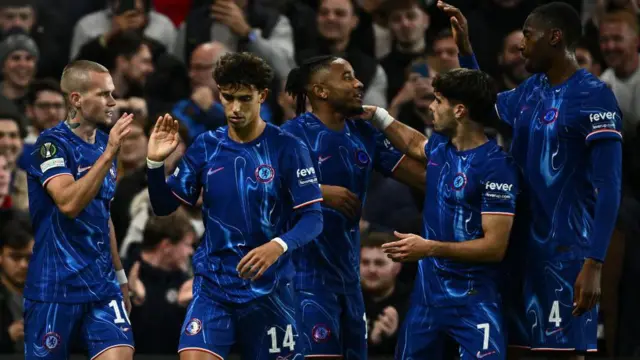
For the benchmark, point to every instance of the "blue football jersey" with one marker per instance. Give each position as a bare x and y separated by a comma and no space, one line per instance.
461,186
553,127
250,192
71,260
345,158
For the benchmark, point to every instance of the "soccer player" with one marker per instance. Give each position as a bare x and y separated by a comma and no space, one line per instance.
468,214
73,276
260,203
566,139
330,309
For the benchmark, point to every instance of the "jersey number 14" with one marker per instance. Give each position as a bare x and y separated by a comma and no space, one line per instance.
287,342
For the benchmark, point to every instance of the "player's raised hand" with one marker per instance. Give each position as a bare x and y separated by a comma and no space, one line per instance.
459,27
164,138
341,199
369,110
119,131
586,291
410,247
257,261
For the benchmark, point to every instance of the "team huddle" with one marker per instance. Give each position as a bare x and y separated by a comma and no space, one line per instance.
512,243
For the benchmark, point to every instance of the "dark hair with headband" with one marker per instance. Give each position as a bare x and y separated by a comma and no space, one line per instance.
299,77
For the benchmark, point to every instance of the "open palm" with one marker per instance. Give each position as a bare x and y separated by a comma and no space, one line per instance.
164,138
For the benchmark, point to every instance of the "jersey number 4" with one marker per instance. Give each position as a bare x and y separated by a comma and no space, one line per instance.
287,342
554,315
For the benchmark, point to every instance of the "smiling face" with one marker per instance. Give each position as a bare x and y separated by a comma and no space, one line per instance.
341,89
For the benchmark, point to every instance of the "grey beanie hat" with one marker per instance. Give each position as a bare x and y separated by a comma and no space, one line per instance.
17,42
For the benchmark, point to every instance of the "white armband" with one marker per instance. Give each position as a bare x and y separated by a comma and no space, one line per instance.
154,164
281,243
381,118
122,277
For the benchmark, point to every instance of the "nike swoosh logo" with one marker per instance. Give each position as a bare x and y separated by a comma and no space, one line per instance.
480,356
83,169
213,171
323,159
551,332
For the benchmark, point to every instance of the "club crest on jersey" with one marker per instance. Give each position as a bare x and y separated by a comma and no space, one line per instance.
459,181
265,173
320,333
48,150
549,116
193,327
362,158
51,340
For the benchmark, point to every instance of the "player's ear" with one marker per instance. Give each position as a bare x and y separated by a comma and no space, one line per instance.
263,95
460,111
555,37
75,98
319,91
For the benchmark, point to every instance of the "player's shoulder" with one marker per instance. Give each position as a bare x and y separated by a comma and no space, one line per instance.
497,157
56,133
284,138
530,84
302,123
591,86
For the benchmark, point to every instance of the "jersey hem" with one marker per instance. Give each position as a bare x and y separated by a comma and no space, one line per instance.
44,183
497,213
307,203
550,349
399,161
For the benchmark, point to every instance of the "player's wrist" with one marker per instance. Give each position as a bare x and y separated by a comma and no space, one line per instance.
381,118
594,263
154,164
121,276
281,242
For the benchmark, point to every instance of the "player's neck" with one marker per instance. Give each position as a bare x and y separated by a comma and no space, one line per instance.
81,127
562,70
469,138
247,133
330,119
9,285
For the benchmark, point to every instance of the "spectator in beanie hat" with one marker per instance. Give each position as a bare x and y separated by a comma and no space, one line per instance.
18,56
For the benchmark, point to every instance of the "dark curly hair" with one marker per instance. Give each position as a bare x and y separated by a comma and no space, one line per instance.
474,89
243,69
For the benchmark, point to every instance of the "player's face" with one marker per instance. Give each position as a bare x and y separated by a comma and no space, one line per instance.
535,47
15,262
10,140
97,103
5,176
444,120
344,90
242,104
47,110
377,272
19,68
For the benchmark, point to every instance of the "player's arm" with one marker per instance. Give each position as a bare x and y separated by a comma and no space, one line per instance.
300,178
391,162
165,194
72,196
402,137
121,276
489,248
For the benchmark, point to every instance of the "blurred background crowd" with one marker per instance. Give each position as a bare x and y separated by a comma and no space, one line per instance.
161,54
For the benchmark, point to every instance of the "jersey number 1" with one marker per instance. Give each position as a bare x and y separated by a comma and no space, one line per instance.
287,342
119,320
